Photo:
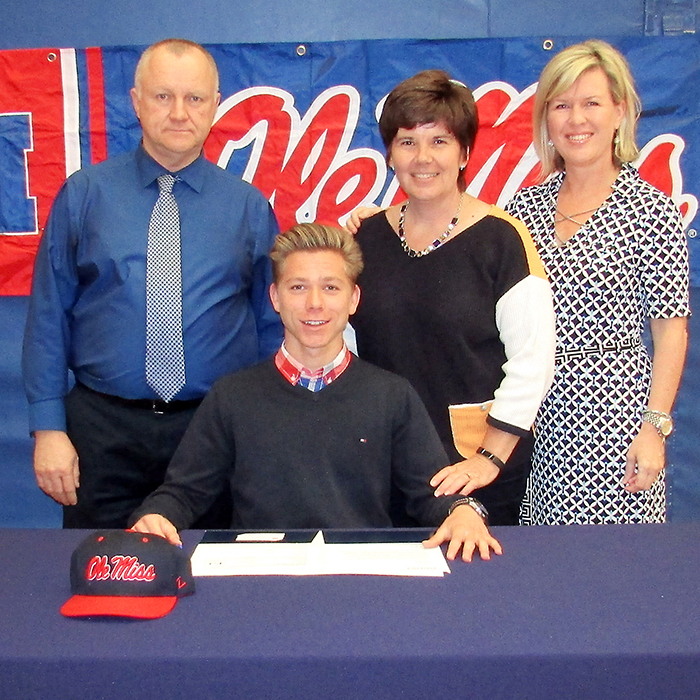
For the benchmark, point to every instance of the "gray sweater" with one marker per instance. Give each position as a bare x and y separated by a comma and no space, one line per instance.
297,459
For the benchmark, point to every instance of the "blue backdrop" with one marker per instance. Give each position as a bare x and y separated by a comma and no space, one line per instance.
318,102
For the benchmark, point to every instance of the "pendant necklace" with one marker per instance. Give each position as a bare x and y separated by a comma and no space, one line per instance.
436,243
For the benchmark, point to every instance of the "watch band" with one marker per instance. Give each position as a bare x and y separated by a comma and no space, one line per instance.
660,420
478,506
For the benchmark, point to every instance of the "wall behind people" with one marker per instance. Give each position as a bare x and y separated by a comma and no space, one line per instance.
78,24
82,23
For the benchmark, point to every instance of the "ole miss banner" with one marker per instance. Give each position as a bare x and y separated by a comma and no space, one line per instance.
300,123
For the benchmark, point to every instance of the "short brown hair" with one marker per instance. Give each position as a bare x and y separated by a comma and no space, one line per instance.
562,71
431,97
176,47
312,237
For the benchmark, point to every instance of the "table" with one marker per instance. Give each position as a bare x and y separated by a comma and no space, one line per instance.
590,612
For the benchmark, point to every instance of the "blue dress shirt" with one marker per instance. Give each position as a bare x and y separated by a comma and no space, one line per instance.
88,306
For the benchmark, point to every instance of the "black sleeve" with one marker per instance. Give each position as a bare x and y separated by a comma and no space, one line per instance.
417,454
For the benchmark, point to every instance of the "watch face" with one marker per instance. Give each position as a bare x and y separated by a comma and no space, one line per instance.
662,422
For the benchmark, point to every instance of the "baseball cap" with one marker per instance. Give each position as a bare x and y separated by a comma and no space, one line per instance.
127,574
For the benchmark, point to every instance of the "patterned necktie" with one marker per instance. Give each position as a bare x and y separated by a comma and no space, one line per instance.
165,356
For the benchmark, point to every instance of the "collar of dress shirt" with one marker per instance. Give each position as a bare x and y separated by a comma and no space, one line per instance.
149,170
294,371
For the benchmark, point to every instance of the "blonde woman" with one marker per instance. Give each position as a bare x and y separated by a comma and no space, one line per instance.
616,257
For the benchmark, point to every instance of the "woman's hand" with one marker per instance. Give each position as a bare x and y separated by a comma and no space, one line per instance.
465,477
357,216
477,471
646,458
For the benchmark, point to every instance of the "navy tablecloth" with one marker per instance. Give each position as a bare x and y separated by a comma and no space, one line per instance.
571,612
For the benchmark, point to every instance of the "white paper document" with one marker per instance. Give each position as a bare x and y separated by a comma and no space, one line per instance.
267,557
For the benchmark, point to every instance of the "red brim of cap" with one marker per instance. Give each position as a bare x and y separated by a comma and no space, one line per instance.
118,606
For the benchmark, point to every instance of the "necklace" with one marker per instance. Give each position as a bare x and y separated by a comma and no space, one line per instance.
436,243
558,242
571,218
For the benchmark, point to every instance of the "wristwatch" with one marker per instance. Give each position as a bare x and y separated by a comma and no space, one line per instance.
660,420
478,506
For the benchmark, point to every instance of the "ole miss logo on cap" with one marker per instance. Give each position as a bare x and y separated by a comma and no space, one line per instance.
127,574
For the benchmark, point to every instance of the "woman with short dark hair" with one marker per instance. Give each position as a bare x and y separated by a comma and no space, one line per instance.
454,297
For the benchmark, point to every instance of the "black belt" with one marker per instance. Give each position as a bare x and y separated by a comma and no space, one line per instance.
153,405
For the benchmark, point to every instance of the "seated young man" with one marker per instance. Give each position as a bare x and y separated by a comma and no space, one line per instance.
314,438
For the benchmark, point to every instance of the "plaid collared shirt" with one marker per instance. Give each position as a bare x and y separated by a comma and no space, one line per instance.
295,373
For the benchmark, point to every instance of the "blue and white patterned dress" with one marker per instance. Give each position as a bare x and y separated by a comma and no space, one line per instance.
628,263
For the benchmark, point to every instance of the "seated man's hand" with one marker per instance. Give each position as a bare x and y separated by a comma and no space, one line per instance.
357,216
465,529
158,525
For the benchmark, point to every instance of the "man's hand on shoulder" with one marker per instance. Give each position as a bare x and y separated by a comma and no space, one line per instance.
56,466
158,525
465,529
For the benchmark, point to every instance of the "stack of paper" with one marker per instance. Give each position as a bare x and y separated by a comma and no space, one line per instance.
270,556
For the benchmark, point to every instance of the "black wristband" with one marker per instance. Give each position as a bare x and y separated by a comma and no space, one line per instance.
490,455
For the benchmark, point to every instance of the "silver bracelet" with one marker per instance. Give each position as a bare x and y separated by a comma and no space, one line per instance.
478,506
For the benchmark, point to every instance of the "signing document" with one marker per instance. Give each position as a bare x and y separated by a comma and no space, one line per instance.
268,554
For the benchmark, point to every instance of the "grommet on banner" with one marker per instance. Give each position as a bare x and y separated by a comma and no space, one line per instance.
547,44
51,57
301,50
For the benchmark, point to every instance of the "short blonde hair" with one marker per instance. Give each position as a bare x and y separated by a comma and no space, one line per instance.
313,237
176,47
561,73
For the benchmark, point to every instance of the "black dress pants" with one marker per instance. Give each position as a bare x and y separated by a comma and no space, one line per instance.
123,454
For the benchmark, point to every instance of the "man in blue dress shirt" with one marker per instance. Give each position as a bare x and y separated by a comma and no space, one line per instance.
101,447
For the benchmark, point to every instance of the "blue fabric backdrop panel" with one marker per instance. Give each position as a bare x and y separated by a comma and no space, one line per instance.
299,120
